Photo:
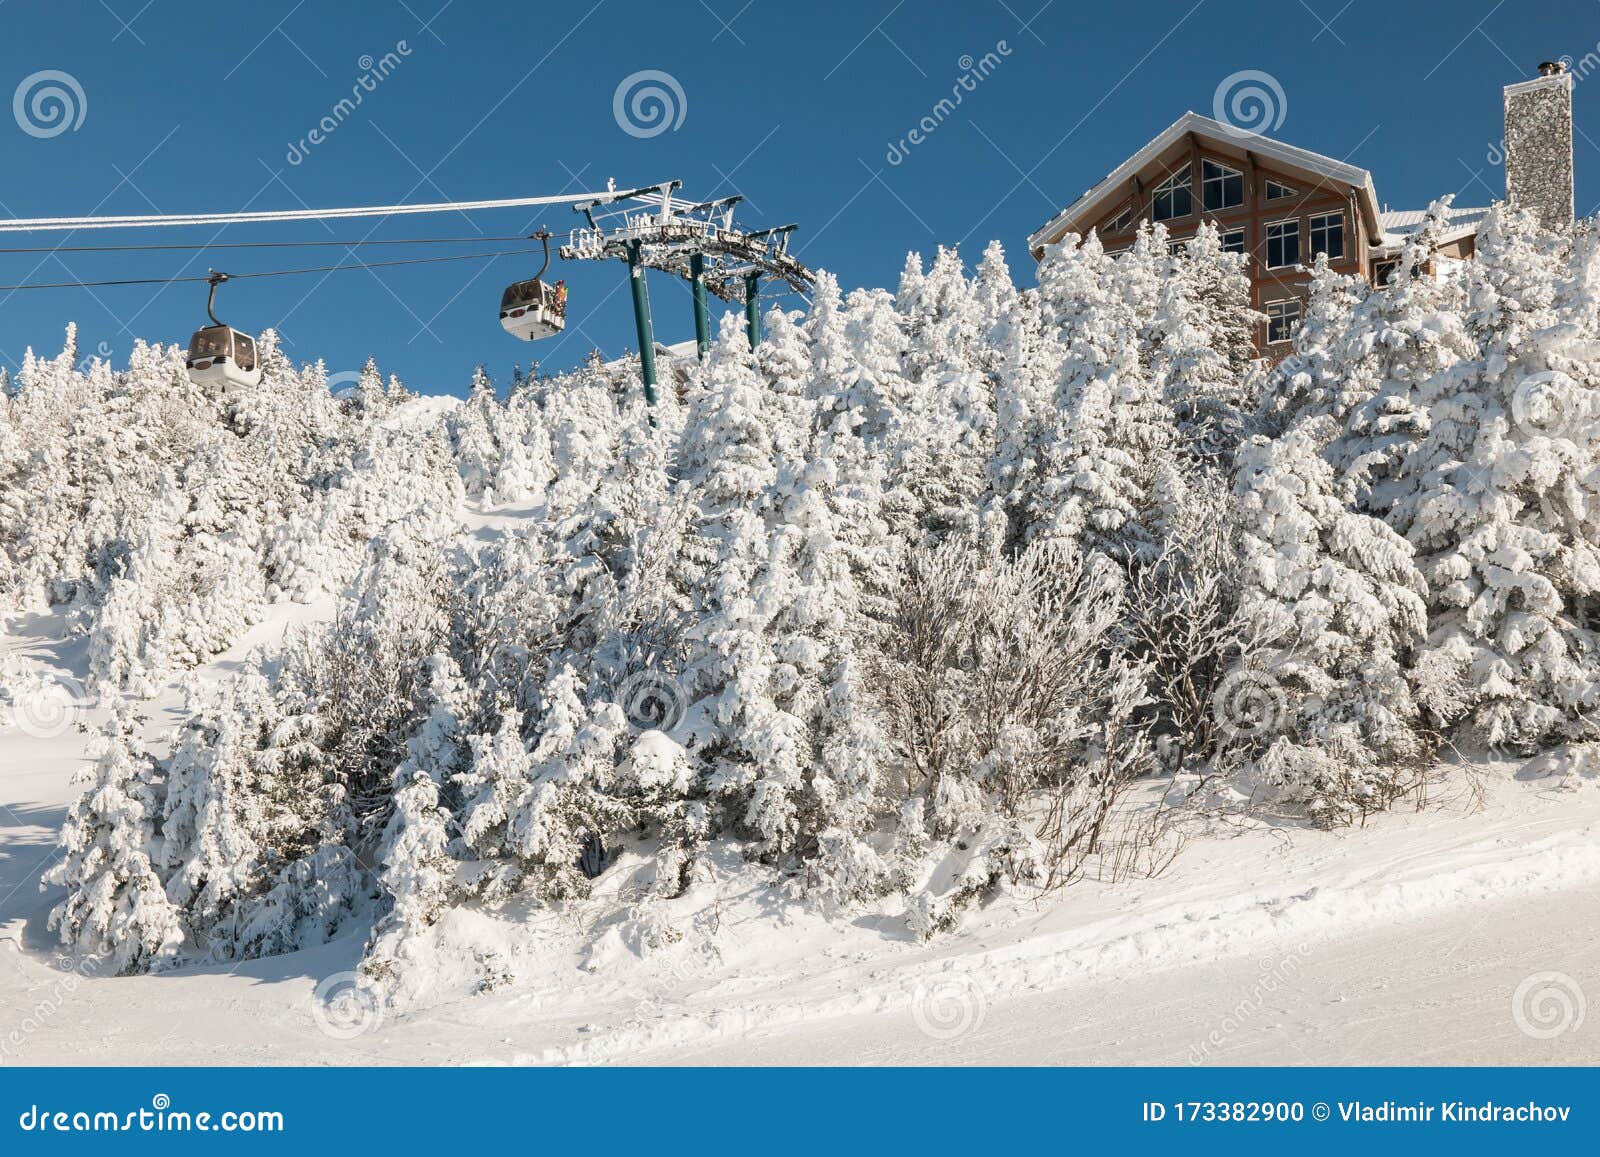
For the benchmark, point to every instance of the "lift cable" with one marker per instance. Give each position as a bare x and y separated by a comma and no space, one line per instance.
270,272
43,224
480,240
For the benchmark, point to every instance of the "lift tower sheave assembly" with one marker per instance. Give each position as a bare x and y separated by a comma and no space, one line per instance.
698,241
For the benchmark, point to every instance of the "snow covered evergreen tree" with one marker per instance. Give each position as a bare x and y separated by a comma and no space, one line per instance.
1110,466
1336,591
1502,500
115,902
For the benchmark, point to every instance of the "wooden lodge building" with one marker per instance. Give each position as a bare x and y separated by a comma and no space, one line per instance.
1281,205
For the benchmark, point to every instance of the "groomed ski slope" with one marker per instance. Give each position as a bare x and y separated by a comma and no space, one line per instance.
1462,933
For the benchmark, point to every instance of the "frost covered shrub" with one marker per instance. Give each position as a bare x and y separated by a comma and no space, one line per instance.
1004,690
993,672
1182,619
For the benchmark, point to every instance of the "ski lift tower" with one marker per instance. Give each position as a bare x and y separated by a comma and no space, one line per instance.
651,228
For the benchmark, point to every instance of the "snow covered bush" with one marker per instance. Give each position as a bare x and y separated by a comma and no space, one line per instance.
1003,685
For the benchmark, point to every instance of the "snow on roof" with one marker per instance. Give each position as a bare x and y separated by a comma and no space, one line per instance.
1399,224
1407,220
1192,122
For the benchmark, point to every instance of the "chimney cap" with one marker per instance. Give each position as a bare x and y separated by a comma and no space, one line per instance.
1552,67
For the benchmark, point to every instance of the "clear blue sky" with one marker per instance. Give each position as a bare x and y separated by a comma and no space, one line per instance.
192,106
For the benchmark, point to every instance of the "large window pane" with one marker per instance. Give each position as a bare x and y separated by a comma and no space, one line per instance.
1282,317
1283,244
1327,234
1173,198
1221,187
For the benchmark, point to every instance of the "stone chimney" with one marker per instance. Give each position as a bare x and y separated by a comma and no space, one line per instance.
1539,145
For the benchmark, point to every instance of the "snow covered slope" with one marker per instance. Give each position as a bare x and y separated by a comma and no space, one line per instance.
1463,933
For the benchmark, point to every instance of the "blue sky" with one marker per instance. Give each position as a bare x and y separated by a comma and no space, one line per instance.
804,108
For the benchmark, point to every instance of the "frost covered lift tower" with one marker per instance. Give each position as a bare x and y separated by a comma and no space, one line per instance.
695,240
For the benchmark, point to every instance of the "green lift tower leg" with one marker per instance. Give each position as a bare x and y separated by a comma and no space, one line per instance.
752,307
641,319
702,317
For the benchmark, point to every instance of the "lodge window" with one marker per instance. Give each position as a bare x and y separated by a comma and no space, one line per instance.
1283,244
1173,198
1276,192
1178,246
1232,240
1383,273
1123,220
1327,234
1282,318
1220,186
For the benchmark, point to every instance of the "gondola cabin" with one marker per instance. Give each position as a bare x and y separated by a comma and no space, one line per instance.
219,355
531,310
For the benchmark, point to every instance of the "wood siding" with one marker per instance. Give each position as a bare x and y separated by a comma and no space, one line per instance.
1314,196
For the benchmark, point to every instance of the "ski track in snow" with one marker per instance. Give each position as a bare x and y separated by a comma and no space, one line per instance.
1163,939
774,971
